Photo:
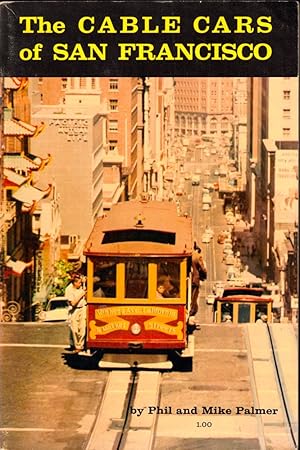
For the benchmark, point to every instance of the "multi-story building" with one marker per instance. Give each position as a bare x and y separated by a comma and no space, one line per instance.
20,195
76,130
203,106
159,117
273,177
123,150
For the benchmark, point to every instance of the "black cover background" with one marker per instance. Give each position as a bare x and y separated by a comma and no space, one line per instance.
283,38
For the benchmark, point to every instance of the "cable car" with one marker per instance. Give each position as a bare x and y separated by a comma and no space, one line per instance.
242,305
139,286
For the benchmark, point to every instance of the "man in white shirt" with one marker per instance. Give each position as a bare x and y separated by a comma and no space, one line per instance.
77,315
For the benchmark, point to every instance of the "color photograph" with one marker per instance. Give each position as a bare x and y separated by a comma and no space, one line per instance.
149,225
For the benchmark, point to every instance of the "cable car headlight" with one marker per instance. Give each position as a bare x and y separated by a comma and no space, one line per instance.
136,328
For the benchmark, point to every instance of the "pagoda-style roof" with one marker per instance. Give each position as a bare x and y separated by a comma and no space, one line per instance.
12,179
149,228
20,161
16,127
15,82
30,195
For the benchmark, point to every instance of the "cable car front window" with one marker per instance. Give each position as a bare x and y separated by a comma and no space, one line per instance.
104,279
136,279
168,280
226,312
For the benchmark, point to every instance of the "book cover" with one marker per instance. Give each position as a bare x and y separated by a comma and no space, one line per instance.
149,153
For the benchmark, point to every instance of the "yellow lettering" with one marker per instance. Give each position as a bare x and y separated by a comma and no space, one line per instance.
257,54
146,29
196,24
221,26
229,52
60,52
198,51
82,24
243,24
129,24
126,50
240,51
172,24
165,53
106,26
264,24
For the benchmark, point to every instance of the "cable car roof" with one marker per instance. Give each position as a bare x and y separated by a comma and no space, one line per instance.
133,228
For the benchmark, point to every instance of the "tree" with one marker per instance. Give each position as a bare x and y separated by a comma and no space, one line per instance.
62,276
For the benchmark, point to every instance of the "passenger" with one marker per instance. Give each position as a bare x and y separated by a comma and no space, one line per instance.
77,314
199,273
98,292
261,318
227,318
164,286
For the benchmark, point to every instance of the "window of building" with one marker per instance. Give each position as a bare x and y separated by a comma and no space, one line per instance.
64,83
113,125
286,131
112,144
93,83
113,104
286,113
286,95
82,82
40,81
113,84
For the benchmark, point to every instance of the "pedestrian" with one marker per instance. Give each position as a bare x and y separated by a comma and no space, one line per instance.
199,273
77,314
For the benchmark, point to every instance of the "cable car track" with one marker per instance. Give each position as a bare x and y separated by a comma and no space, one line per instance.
280,374
123,420
274,375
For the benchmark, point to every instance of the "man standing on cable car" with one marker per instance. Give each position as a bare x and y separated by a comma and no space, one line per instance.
199,273
77,314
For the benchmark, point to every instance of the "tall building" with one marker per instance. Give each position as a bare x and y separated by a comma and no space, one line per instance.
76,130
273,178
159,129
123,149
124,100
203,106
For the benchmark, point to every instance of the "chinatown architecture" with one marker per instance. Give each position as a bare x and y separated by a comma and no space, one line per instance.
21,194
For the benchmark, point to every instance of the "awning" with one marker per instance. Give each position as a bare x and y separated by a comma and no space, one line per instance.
29,194
18,267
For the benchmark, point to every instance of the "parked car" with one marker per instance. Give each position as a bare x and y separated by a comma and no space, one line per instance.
187,176
206,238
205,207
195,180
206,198
56,310
209,186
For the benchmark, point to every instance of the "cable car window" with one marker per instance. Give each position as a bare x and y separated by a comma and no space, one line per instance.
136,279
168,280
243,313
104,278
226,312
261,310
